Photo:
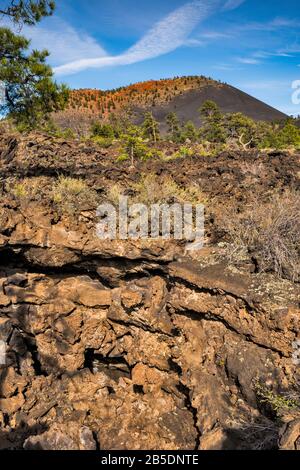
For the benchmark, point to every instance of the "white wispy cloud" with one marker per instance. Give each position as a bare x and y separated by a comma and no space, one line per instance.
258,57
171,32
194,42
248,60
232,4
267,55
281,22
215,35
242,30
273,25
290,49
166,36
64,43
73,51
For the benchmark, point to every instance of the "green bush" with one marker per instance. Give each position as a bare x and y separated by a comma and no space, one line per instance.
277,403
104,142
99,129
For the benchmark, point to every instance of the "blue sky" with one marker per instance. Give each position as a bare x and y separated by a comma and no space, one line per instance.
250,44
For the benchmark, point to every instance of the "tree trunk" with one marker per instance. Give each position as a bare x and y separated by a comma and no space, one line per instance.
132,156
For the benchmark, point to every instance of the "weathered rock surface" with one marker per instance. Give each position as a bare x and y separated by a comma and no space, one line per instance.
132,344
290,436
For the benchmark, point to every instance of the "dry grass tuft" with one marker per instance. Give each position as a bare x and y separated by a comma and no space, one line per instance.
72,195
153,189
269,232
259,434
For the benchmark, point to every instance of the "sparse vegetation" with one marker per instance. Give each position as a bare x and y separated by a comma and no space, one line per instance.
277,403
104,142
184,152
218,131
154,189
258,434
25,189
144,95
19,191
71,195
269,232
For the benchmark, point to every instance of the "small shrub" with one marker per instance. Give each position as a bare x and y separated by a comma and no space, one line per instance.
256,169
122,158
102,130
185,152
114,193
149,154
28,188
269,232
72,195
258,433
202,150
64,134
277,403
19,191
152,189
104,142
209,149
166,157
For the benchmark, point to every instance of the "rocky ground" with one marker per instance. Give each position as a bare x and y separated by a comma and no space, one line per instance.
135,344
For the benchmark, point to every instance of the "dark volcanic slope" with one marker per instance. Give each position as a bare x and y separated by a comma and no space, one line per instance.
228,98
183,95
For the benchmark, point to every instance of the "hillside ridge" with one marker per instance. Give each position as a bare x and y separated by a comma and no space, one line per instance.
182,95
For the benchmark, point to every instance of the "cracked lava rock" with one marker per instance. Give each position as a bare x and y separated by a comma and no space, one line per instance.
133,344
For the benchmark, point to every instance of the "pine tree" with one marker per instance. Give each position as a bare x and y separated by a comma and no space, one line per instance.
210,110
173,124
133,144
27,11
102,130
240,127
30,93
190,132
150,127
213,130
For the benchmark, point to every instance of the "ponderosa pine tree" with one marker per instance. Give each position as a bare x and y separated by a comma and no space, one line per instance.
240,127
133,144
210,111
282,137
212,130
189,132
30,93
151,127
173,126
27,11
